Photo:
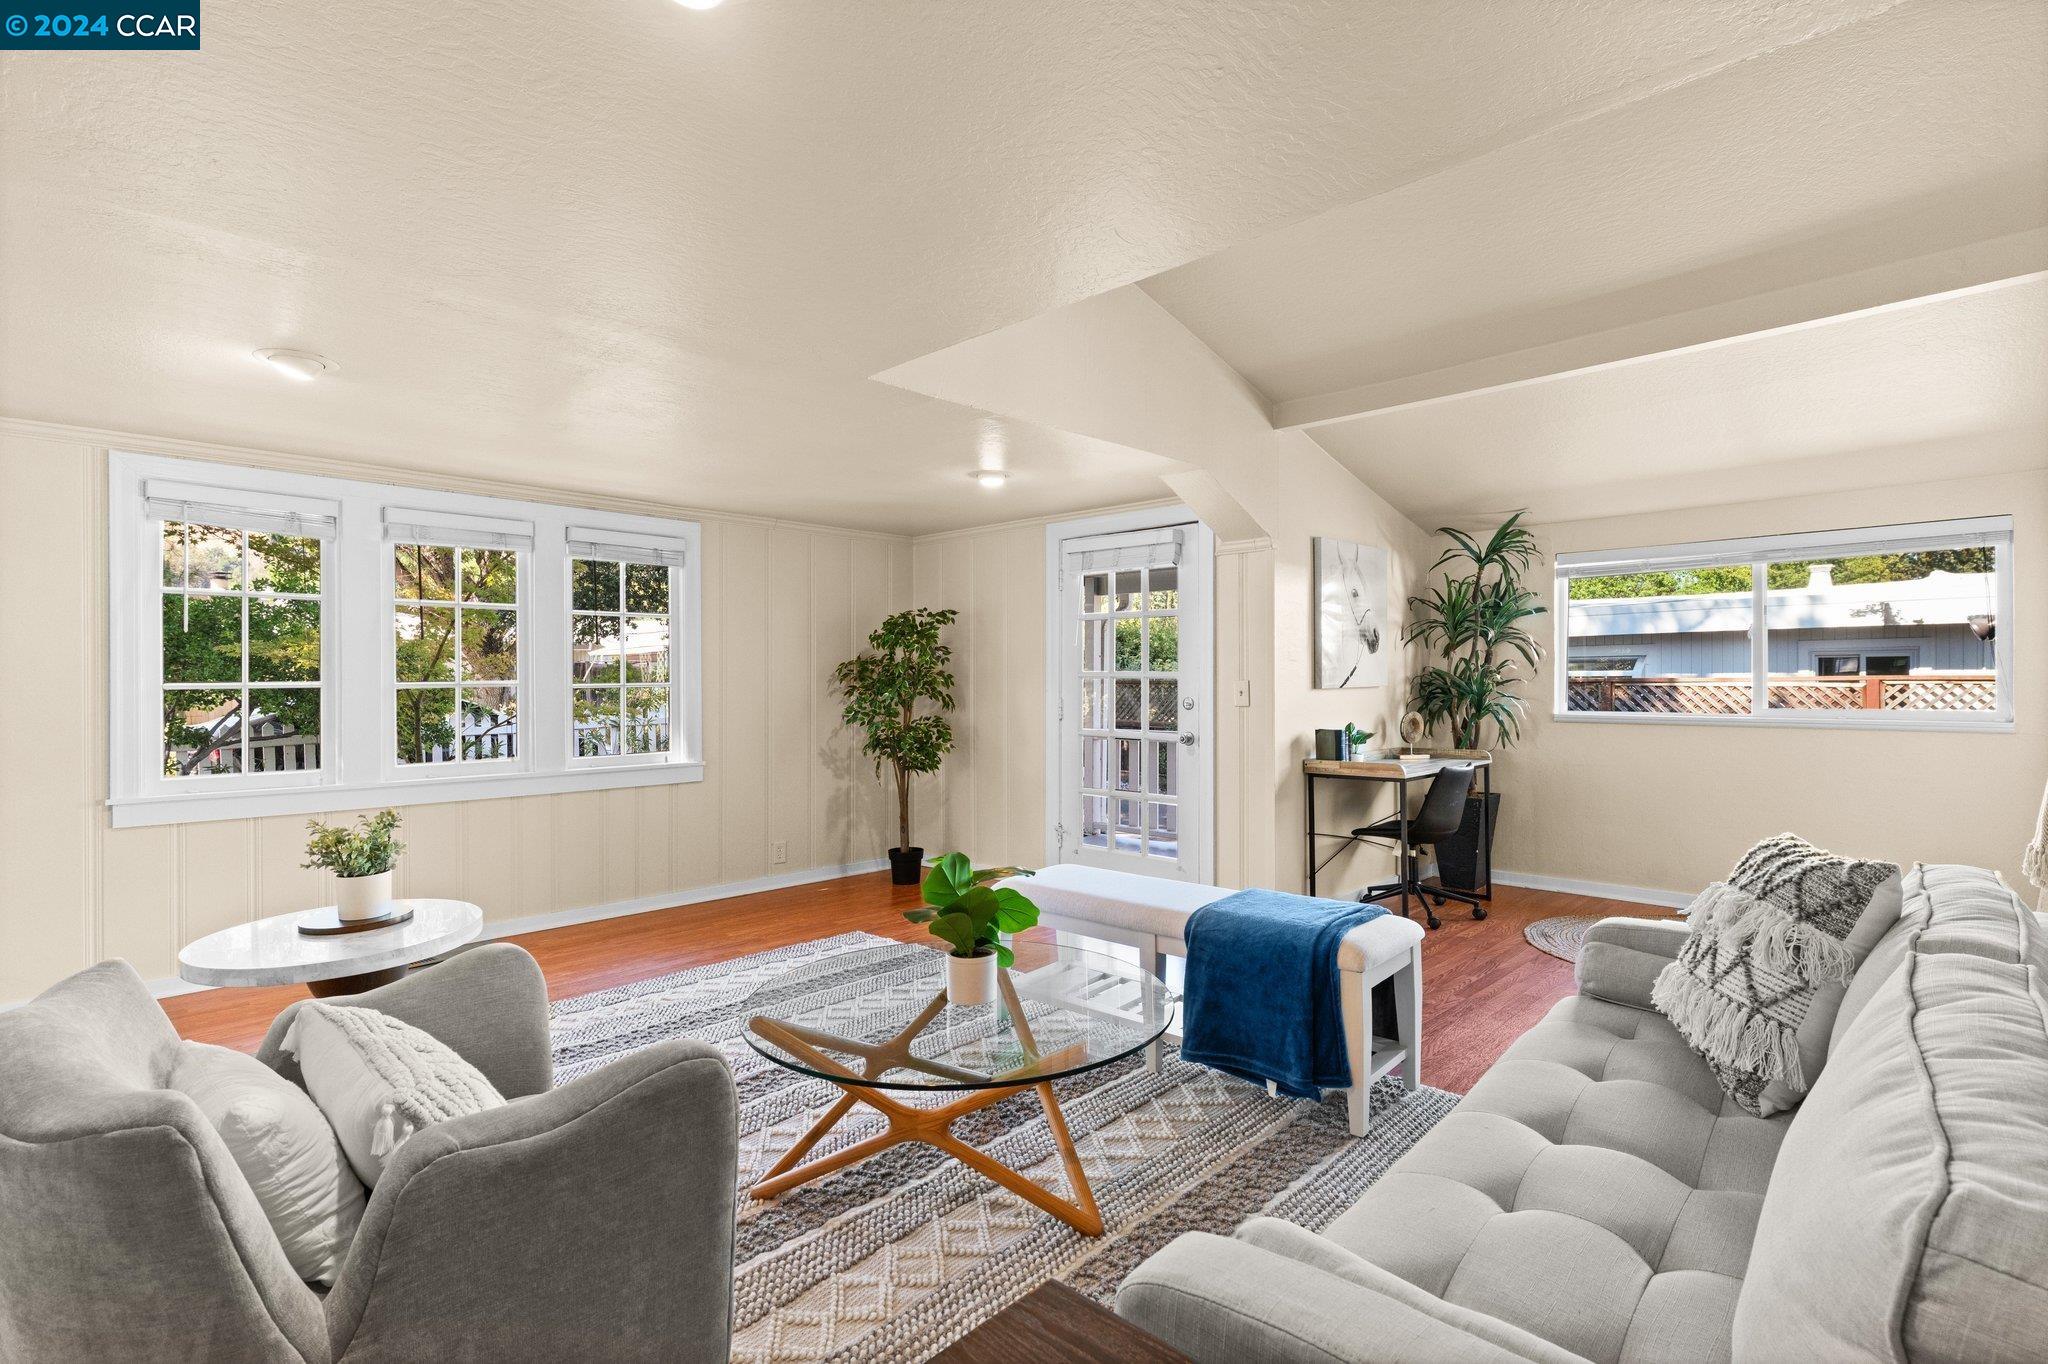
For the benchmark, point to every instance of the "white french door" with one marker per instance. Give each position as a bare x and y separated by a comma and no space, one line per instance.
1135,630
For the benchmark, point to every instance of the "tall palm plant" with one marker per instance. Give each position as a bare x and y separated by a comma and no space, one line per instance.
1473,616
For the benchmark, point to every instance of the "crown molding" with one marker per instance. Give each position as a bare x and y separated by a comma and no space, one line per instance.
298,462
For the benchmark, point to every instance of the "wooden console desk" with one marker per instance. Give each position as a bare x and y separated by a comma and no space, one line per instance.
1386,769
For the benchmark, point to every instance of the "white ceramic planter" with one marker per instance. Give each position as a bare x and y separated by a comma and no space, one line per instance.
970,980
362,897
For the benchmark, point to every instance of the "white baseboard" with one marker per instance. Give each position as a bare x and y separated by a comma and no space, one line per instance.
167,986
1672,899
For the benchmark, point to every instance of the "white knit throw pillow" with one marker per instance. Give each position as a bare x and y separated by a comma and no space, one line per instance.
1757,985
379,1080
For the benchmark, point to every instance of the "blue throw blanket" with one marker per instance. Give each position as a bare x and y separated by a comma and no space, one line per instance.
1262,994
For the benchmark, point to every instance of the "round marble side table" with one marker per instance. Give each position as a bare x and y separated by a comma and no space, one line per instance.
273,952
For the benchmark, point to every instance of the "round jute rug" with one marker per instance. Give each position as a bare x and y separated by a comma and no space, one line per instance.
1563,937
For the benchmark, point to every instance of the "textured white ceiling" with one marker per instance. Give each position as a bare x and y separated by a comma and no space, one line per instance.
1939,389
1914,132
626,247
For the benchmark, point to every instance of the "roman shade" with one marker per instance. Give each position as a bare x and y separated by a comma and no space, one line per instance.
630,547
244,509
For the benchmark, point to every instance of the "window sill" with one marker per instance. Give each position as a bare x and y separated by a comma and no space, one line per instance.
1797,720
202,808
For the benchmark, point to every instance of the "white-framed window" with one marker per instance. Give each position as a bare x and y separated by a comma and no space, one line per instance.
285,643
1864,658
1892,626
622,639
237,659
455,599
1604,665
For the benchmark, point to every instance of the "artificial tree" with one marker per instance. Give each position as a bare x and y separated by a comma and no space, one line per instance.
1474,618
903,673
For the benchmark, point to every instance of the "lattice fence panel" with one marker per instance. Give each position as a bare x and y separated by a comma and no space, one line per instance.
1814,695
1941,693
1658,696
1718,696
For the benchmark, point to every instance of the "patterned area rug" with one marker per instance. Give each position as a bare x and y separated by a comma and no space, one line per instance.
1563,937
897,1257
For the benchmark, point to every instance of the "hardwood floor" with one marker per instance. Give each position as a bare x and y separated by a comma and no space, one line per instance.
1482,983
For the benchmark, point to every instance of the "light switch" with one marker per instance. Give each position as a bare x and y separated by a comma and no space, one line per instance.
1241,694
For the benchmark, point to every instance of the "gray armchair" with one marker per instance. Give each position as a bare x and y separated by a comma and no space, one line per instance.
592,1221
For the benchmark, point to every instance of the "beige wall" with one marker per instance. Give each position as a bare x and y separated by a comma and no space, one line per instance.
782,605
1296,492
989,799
1670,807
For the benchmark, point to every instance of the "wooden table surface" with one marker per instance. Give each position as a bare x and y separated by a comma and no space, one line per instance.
1052,1324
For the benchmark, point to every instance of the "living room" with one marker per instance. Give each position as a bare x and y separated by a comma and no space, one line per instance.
891,681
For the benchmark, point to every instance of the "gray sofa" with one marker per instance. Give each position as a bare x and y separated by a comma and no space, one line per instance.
1595,1196
592,1221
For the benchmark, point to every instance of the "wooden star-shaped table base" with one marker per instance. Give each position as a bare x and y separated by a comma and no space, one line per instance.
932,1126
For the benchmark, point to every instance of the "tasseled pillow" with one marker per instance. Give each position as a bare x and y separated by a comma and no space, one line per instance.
378,1080
1755,988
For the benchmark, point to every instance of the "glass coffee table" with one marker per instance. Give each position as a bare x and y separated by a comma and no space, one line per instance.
883,1032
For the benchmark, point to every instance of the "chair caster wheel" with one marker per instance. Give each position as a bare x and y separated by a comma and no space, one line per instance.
1433,921
1438,901
1479,911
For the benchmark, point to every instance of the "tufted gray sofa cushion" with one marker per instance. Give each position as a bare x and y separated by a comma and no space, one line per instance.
1595,1188
1597,1193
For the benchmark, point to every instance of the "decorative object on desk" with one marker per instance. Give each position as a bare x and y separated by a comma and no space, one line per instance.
905,670
970,916
1414,730
1474,617
1342,745
1351,614
360,859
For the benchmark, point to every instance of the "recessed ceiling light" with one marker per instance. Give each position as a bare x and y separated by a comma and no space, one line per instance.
699,4
296,364
990,478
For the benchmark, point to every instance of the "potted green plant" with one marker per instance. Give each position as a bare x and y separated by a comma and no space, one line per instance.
361,858
897,694
964,911
1473,616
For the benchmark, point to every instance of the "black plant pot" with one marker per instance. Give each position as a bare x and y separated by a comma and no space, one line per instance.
1457,857
906,866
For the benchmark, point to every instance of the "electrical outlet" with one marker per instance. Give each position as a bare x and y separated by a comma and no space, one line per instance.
1241,694
778,853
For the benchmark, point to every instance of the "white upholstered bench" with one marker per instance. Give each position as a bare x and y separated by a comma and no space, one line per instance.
1151,914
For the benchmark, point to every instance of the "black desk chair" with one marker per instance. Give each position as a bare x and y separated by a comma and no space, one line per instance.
1441,815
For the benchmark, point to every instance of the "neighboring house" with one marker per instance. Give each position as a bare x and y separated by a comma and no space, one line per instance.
1937,624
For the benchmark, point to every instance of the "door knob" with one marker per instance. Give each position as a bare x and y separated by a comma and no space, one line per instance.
1187,741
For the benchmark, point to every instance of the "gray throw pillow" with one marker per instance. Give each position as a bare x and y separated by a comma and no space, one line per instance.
1756,987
